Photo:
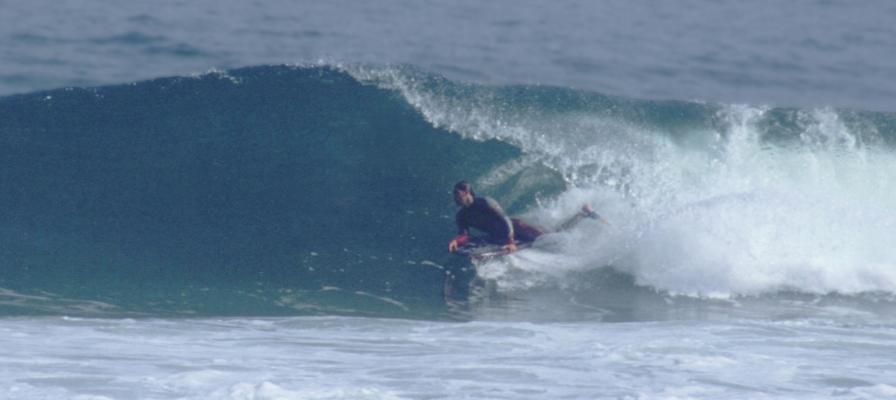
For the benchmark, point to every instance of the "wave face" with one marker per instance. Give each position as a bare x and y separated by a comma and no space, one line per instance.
326,189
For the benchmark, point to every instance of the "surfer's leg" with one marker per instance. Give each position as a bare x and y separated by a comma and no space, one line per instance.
585,212
524,232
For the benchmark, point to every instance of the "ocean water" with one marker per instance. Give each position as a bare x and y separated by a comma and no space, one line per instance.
206,200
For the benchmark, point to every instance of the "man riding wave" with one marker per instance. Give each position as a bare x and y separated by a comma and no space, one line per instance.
486,215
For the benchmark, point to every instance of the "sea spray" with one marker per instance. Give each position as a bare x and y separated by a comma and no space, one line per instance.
730,200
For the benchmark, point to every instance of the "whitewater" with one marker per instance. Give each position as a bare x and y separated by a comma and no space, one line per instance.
268,218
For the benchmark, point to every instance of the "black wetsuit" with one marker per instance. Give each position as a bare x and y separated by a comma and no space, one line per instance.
486,215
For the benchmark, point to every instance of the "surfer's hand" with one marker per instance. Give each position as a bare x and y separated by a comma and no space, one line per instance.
452,247
510,247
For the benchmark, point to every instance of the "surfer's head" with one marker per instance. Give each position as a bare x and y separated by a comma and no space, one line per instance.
463,193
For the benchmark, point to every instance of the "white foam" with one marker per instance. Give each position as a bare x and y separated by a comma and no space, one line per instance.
758,218
270,391
720,212
362,358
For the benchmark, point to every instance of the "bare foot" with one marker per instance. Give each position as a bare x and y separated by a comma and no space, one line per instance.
589,212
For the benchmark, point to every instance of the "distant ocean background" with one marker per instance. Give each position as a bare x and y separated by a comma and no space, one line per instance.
251,200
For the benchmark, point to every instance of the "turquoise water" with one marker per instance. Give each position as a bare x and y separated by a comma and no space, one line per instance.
329,193
276,228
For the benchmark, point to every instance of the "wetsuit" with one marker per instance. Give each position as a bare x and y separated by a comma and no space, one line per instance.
486,215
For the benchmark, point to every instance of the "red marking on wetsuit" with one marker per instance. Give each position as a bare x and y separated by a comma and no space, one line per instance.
462,239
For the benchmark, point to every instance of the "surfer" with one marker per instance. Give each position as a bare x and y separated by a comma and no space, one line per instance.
485,214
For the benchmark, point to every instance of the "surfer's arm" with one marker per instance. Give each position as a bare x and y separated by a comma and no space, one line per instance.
463,233
510,247
458,241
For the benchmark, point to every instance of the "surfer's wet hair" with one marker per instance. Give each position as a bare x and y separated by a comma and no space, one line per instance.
464,186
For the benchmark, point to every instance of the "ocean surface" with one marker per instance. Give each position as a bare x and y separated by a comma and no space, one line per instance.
252,200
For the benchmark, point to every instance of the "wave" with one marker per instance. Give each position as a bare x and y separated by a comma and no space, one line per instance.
325,189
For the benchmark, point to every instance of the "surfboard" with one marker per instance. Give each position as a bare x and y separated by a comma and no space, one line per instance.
485,251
